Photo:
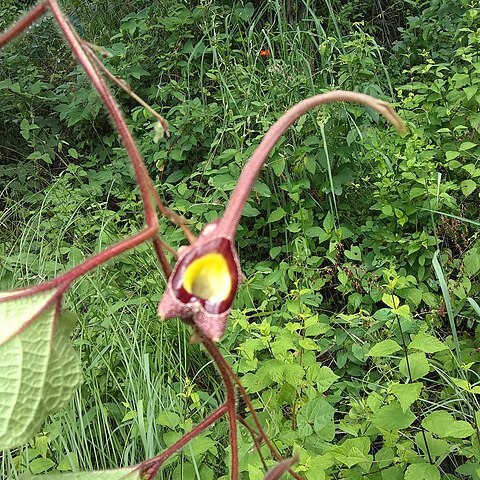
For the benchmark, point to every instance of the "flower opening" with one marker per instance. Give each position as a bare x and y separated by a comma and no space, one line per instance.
208,278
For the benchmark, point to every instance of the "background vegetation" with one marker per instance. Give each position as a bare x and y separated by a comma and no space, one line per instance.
356,331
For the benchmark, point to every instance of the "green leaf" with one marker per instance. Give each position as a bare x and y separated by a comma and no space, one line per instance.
467,145
471,262
276,215
69,462
391,300
168,419
322,376
17,313
138,71
40,465
468,187
354,451
470,91
443,424
317,416
130,473
73,153
434,447
328,222
354,253
451,154
422,471
415,296
427,343
39,370
246,12
419,366
384,348
278,165
406,393
310,164
392,418
262,189
308,344
293,374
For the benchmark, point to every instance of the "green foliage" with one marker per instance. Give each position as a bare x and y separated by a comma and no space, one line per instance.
357,341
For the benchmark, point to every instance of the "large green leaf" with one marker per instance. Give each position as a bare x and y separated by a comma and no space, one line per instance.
422,471
17,313
392,417
443,424
39,370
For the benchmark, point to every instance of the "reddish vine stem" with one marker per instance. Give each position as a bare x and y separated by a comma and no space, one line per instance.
255,437
143,180
230,400
244,186
164,210
158,245
67,278
151,467
173,217
252,411
124,86
15,30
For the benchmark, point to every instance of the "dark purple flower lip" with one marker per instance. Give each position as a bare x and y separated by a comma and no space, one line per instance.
207,275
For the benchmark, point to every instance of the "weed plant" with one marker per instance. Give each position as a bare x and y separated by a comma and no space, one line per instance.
356,330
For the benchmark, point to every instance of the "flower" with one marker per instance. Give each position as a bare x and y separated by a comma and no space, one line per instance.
204,282
265,53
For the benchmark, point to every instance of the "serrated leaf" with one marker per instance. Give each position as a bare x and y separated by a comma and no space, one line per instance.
322,376
384,348
426,343
422,471
443,424
406,393
130,473
39,370
418,364
393,418
435,447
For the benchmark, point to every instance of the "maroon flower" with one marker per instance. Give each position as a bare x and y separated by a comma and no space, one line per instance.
204,282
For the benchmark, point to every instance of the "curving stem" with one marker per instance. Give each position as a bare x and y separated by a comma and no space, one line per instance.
18,27
150,467
233,211
229,401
